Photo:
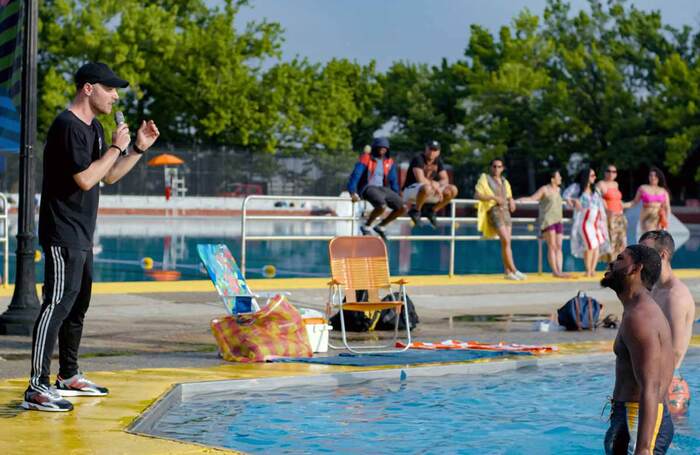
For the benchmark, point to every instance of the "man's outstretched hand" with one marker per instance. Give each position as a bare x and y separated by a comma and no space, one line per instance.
146,134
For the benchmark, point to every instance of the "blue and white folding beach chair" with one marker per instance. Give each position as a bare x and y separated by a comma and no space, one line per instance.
228,279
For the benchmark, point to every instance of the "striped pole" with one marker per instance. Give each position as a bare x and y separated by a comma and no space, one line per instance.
24,307
10,75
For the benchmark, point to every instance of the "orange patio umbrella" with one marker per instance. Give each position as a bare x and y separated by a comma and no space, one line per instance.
165,159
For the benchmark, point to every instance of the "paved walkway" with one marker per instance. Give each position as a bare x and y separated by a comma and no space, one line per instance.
135,325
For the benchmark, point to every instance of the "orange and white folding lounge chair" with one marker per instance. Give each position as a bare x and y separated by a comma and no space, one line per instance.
361,263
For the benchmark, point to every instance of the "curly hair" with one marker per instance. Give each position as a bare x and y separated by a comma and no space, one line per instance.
650,261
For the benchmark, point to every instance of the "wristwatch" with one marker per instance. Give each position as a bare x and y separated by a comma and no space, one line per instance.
137,149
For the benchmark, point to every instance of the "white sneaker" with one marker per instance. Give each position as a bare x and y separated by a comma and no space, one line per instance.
79,385
512,276
520,275
46,399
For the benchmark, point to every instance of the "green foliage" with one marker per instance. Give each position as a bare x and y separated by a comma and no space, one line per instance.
610,82
201,75
613,84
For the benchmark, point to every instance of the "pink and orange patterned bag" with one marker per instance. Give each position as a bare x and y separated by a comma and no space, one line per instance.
276,330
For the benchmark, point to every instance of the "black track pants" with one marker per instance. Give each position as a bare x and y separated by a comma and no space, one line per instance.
66,297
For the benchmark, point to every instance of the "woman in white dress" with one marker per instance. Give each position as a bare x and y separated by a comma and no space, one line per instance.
589,232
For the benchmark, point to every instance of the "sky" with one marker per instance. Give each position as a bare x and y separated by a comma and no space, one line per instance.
419,31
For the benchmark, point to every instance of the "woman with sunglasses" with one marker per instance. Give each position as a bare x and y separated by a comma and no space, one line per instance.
493,214
551,215
656,202
589,232
617,222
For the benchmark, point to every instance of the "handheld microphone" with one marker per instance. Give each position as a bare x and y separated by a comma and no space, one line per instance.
119,119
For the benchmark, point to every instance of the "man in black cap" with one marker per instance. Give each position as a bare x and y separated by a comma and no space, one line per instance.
76,160
375,180
427,182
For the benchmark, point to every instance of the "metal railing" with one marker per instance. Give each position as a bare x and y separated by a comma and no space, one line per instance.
453,220
5,239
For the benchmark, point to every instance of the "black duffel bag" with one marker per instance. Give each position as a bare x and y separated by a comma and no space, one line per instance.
387,318
355,321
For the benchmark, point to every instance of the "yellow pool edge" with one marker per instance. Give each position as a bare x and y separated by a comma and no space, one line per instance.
148,287
99,424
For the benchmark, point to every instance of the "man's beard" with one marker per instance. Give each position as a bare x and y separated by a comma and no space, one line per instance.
101,109
615,280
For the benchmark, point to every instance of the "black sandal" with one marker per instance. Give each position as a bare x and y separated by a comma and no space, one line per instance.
611,321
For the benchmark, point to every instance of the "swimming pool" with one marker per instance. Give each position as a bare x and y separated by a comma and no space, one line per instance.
122,243
553,409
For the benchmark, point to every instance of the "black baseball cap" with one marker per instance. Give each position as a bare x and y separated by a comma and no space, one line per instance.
432,145
98,73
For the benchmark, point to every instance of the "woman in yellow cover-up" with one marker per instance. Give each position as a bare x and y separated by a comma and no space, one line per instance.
493,214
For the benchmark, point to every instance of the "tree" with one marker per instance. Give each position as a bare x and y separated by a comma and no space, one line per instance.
677,110
511,104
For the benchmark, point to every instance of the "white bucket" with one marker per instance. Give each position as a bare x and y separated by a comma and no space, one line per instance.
318,336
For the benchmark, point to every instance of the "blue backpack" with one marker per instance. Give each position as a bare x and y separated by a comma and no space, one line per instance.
580,313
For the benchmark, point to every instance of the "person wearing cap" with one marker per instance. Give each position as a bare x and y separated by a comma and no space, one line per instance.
375,179
76,159
427,182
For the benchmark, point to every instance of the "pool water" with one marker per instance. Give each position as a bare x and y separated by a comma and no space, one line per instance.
120,250
547,410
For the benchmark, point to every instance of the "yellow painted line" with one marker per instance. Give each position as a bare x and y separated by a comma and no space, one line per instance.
145,287
98,424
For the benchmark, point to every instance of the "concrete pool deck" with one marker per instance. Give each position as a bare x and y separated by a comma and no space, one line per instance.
143,338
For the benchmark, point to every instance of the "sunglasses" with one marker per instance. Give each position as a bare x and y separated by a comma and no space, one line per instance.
612,171
497,166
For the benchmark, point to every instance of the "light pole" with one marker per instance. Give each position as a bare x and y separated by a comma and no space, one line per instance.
24,307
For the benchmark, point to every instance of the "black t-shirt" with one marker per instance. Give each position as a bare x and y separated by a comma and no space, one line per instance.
68,214
431,171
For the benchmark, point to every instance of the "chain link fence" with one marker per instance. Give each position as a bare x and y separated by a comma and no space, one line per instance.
221,171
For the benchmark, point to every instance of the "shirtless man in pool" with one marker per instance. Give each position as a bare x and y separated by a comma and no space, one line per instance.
640,422
678,305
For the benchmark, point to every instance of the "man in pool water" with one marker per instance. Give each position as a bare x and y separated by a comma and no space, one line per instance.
76,160
640,422
678,305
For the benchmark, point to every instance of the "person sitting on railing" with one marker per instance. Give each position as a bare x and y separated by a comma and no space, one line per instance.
551,215
493,214
427,182
375,179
